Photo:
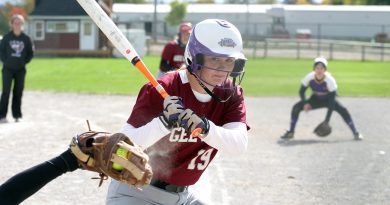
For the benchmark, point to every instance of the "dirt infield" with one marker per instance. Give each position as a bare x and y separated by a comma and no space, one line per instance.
306,170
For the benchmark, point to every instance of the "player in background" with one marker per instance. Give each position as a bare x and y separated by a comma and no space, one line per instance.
172,57
324,88
205,95
16,50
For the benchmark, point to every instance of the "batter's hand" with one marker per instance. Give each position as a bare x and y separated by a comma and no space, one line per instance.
173,106
190,121
307,107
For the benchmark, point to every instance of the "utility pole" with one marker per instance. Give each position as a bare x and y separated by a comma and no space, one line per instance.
155,22
247,19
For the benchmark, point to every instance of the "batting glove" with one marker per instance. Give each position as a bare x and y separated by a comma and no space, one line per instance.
173,106
190,121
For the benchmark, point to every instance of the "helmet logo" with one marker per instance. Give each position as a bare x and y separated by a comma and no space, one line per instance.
223,23
227,42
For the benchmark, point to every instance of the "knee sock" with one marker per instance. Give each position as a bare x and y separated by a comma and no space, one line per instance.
352,126
292,124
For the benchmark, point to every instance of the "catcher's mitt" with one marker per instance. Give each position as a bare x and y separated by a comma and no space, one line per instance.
98,152
323,129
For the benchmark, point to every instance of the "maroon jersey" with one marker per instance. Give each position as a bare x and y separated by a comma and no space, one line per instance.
177,158
173,53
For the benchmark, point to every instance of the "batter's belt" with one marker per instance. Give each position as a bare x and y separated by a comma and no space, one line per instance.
167,187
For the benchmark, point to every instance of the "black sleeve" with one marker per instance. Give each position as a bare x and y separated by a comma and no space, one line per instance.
302,91
30,50
164,66
24,184
331,104
3,52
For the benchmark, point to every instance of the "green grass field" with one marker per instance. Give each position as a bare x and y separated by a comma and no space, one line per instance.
263,77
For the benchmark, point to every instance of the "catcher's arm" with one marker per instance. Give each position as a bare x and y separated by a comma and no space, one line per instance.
302,91
91,156
36,177
302,95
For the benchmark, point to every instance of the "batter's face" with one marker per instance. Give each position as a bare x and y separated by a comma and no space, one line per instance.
319,70
216,70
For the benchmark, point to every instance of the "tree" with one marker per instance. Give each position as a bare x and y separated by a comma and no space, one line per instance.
235,1
205,1
265,1
357,2
23,8
19,10
378,2
29,5
177,14
4,26
5,14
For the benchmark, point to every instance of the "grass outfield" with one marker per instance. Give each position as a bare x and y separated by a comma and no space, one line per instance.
263,77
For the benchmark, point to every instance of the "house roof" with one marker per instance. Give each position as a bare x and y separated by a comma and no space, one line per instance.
57,8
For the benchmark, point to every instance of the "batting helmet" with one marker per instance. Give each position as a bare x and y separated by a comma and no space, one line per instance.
224,41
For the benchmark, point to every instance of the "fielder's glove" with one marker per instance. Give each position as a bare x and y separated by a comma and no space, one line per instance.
323,129
173,106
98,152
190,121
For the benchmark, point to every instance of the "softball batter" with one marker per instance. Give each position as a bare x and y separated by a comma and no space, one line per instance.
205,95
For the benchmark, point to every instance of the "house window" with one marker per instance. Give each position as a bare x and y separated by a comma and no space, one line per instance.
62,27
39,33
87,29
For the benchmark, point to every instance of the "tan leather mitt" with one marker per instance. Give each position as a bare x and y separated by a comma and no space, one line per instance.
112,155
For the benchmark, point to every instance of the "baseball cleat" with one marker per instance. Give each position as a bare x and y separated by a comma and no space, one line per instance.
287,135
3,120
358,136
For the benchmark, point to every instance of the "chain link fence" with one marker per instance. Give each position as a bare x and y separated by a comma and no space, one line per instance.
363,42
309,48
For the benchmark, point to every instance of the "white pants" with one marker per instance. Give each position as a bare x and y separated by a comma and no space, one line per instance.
122,194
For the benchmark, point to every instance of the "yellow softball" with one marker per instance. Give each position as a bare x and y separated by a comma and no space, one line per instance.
122,153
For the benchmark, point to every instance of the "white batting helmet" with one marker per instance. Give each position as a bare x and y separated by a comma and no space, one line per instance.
214,37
